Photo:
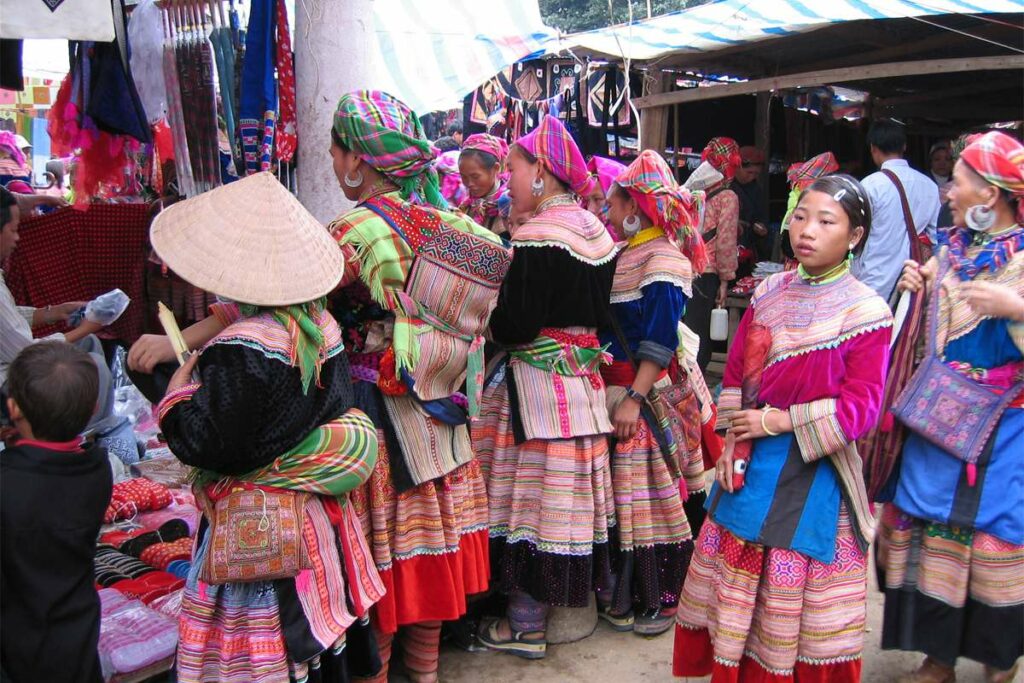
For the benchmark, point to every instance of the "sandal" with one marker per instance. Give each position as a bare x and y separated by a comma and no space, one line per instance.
995,676
653,625
621,623
518,645
930,671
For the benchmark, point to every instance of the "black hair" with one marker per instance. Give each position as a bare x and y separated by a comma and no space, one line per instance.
7,200
486,159
454,127
530,159
336,139
446,144
55,386
888,136
851,196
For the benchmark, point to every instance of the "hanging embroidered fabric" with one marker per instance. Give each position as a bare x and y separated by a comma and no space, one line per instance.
287,127
258,98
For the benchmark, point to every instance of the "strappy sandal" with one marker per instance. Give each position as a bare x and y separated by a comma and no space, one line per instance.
930,671
653,625
518,645
621,623
993,675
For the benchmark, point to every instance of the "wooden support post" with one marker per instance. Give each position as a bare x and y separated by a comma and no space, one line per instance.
654,123
763,139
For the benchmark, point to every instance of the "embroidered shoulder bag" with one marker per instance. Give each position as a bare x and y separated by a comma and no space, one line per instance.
946,408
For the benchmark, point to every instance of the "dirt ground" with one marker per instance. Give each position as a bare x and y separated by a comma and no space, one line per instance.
623,657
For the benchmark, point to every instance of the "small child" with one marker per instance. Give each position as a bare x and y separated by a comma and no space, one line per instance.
53,494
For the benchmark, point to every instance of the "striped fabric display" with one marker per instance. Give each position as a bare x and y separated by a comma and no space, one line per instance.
332,460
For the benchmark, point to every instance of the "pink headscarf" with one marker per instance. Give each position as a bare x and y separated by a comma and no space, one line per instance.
490,144
552,145
10,142
606,171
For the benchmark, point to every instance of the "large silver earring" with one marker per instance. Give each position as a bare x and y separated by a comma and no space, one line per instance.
537,187
631,225
980,218
354,182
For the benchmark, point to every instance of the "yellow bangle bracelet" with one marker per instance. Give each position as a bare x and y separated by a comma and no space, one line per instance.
764,414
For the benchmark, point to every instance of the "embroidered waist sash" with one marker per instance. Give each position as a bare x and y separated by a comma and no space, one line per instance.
566,354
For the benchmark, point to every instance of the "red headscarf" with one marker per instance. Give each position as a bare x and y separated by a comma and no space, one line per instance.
999,159
675,210
724,155
801,175
553,146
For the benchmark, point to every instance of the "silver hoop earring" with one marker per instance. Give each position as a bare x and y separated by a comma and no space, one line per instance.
354,183
980,218
537,187
631,225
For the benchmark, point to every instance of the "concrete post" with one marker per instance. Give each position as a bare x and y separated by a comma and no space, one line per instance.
334,48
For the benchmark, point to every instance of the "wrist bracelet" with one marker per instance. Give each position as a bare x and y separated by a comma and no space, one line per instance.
635,395
764,426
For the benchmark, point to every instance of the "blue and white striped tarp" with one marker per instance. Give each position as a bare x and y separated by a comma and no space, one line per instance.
432,54
718,25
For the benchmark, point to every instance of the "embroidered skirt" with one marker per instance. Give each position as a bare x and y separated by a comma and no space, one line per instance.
652,542
950,592
551,507
749,612
429,542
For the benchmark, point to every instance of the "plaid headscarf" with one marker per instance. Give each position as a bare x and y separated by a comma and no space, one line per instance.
554,147
483,142
386,134
606,171
724,155
801,175
999,159
675,210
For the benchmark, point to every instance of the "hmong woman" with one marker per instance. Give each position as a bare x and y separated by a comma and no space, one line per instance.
720,234
282,579
480,166
541,438
954,571
603,173
413,313
777,585
653,278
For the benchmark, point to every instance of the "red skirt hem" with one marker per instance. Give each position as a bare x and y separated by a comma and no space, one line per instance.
693,655
434,587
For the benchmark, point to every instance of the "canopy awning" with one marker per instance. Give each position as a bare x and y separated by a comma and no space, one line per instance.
732,23
432,54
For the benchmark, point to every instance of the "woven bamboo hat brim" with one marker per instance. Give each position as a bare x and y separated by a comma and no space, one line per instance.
250,241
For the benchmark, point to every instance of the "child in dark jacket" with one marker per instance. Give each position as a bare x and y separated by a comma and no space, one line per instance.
53,493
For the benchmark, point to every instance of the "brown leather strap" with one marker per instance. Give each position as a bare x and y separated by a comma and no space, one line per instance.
916,251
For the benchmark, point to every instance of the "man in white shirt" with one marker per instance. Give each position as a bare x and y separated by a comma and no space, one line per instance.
16,322
888,245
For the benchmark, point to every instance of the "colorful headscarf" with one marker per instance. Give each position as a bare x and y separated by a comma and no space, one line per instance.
452,189
606,171
484,142
999,159
724,155
650,181
801,174
309,345
9,141
386,134
554,147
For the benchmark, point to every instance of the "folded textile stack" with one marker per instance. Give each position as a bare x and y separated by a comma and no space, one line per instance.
134,496
133,636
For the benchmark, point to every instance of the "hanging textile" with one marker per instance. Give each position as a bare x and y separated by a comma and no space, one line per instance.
287,140
258,99
604,86
175,112
145,34
224,52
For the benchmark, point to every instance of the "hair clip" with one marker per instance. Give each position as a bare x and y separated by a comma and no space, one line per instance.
839,195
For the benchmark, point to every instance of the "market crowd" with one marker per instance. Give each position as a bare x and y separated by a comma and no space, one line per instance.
480,395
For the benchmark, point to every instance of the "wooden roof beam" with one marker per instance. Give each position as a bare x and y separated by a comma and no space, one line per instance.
944,93
811,79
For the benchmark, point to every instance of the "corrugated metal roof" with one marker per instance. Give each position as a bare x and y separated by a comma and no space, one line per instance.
737,22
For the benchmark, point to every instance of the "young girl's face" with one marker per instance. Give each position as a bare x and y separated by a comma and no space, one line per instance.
820,232
522,175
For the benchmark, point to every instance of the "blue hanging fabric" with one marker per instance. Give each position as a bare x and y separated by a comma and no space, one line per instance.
258,101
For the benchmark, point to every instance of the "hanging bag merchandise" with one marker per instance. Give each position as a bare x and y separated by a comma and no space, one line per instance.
947,408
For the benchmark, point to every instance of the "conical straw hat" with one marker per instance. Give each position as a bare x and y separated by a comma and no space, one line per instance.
250,241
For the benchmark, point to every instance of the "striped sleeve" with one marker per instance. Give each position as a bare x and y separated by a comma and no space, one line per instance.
817,429
728,404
